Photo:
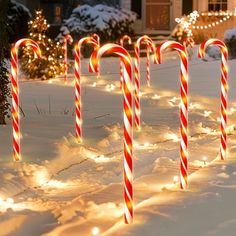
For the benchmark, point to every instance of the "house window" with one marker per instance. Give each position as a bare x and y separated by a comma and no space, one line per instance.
136,6
57,14
217,5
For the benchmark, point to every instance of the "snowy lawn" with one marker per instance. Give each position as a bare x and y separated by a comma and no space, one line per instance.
62,188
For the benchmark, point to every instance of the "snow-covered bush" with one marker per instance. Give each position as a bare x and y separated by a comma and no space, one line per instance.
230,41
18,16
213,52
109,22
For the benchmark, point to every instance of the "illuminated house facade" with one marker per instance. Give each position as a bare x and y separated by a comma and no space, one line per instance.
54,10
154,16
159,15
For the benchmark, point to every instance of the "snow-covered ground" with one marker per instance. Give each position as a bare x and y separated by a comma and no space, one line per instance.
64,189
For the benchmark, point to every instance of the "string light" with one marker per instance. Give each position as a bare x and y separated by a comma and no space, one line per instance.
188,23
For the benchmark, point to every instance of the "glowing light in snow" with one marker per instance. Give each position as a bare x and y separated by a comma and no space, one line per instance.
156,97
207,113
10,201
176,179
95,231
204,160
145,146
172,137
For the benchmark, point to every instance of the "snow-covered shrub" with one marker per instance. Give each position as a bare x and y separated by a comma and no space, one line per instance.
109,22
230,41
18,16
213,52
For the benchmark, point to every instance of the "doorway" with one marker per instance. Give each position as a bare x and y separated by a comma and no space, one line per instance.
158,14
187,7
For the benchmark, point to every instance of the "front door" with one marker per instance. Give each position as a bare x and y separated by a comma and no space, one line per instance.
158,14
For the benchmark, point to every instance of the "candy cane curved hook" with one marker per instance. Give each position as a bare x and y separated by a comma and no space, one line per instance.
15,91
189,42
150,47
67,39
97,38
183,106
224,88
78,112
128,120
122,40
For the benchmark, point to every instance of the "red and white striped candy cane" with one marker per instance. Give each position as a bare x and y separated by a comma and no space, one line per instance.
150,47
128,120
183,107
15,92
124,38
224,88
189,42
97,38
78,112
67,39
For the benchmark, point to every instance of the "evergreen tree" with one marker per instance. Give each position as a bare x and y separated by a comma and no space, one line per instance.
4,54
51,63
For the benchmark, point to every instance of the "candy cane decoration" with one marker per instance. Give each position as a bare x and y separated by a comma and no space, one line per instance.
15,92
67,39
183,107
150,47
97,38
188,42
124,38
128,117
78,112
224,88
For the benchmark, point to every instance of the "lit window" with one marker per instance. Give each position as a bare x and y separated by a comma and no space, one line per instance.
57,14
217,5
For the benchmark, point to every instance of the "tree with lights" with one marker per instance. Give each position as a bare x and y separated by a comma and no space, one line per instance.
51,63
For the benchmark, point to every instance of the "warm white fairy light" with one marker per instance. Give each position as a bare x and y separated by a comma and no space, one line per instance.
156,97
204,160
172,136
207,113
95,231
176,179
188,23
10,201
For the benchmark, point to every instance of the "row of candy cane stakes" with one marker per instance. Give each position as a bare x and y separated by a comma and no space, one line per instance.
126,83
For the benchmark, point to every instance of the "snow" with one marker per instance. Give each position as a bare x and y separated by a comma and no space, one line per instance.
229,34
86,19
18,7
62,188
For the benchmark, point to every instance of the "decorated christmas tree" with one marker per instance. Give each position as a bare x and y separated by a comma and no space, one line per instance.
51,63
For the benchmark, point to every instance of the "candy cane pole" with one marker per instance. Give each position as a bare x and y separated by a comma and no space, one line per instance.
78,112
224,88
67,39
188,42
97,38
183,107
124,38
128,120
151,47
15,92
148,67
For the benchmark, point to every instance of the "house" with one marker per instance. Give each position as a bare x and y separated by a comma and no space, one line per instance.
154,16
158,16
54,10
